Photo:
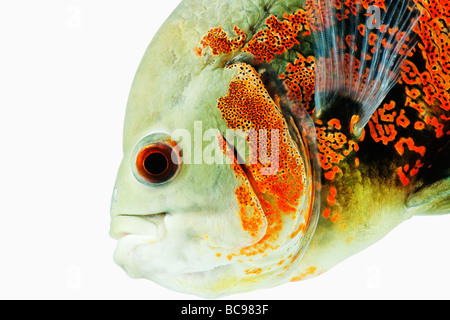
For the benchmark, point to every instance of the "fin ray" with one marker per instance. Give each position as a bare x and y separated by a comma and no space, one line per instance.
364,70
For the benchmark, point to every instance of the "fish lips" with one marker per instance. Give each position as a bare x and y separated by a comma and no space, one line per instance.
150,225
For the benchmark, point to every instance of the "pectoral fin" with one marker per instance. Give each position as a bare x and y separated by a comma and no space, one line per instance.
432,199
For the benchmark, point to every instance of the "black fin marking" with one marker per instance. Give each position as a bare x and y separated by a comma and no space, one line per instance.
350,63
433,197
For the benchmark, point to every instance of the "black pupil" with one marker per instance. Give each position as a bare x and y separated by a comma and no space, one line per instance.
156,163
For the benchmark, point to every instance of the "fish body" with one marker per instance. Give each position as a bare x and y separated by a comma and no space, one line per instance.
344,124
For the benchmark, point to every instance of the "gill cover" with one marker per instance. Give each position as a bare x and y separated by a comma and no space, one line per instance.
279,170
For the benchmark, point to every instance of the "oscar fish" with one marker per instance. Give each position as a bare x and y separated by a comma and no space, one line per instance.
267,141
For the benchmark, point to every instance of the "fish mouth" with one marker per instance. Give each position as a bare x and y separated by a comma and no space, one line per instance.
151,215
128,224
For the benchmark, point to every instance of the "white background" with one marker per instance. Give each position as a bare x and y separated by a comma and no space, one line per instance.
66,68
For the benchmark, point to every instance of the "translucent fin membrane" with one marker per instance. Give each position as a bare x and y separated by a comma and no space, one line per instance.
359,50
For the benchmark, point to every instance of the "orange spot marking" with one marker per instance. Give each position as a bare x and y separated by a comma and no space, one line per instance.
254,271
336,216
350,41
333,146
217,39
250,211
362,29
383,133
402,120
439,127
330,175
299,80
399,146
331,197
301,228
308,272
353,121
334,123
251,214
419,125
278,37
381,124
417,106
402,176
198,51
416,168
372,38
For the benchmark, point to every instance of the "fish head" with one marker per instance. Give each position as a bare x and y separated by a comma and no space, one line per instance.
190,209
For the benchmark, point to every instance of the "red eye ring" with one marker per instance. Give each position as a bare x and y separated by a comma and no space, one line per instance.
154,163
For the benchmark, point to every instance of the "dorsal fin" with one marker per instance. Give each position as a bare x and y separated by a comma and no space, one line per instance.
359,50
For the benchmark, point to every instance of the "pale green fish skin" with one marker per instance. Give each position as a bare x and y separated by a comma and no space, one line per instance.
172,89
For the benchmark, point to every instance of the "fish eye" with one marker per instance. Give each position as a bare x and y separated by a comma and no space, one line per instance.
157,162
